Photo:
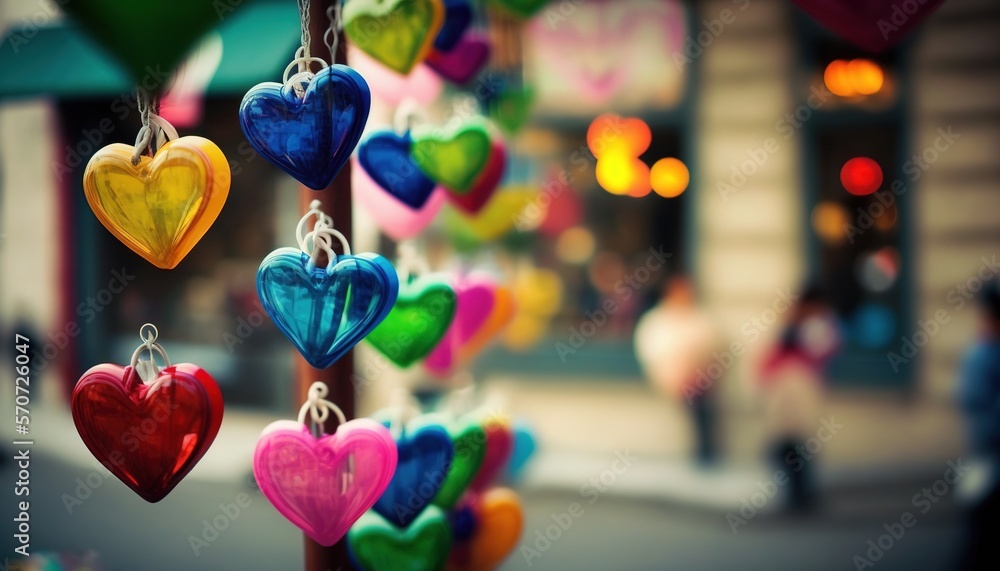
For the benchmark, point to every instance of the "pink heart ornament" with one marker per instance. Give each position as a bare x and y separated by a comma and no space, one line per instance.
476,297
395,219
323,485
422,85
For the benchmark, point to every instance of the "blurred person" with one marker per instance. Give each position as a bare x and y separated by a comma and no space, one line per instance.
979,399
792,380
674,343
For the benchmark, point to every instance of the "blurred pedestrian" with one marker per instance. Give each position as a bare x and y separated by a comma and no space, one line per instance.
792,381
979,399
674,342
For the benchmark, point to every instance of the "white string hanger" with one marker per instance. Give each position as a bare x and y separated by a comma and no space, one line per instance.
320,238
303,58
332,35
319,409
155,130
147,369
409,262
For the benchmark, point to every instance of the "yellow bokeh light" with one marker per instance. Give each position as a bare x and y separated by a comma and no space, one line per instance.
575,245
837,78
669,177
866,76
829,220
616,172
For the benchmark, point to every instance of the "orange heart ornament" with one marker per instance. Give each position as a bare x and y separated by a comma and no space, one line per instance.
161,207
501,520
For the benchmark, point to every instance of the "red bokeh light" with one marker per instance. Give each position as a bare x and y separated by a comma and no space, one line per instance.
861,176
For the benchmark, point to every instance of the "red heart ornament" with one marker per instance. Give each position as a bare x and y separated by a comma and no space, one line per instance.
149,435
481,192
873,25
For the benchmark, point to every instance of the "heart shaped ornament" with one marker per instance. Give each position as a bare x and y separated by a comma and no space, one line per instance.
323,485
418,320
500,215
520,8
309,125
424,451
385,157
148,426
873,25
511,108
163,206
395,219
377,545
500,521
325,311
525,445
396,33
453,159
465,61
469,444
457,18
487,182
500,317
499,445
475,301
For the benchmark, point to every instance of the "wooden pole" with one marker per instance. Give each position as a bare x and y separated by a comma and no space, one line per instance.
336,200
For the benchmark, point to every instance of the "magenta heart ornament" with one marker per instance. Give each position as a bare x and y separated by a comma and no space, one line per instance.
475,300
323,485
873,25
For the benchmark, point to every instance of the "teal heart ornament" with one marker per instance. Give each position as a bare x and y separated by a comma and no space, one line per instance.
325,311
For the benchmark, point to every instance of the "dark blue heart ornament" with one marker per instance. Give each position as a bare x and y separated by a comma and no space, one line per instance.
308,125
325,312
424,454
457,17
385,157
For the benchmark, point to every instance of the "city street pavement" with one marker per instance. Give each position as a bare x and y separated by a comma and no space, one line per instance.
612,533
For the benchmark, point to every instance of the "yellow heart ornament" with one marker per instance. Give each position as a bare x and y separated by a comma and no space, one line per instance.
162,206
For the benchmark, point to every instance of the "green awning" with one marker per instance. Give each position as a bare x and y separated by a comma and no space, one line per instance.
258,41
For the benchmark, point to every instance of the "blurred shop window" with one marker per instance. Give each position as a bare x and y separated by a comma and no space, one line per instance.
857,204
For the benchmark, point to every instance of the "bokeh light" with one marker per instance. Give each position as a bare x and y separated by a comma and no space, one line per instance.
618,173
851,78
669,177
829,220
838,79
575,246
612,133
861,176
641,182
877,271
866,76
873,326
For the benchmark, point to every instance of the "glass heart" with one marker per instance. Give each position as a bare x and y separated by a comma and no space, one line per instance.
424,453
324,312
309,136
377,545
464,62
385,157
500,520
499,444
397,33
454,160
472,311
323,485
148,435
163,206
419,319
487,182
469,442
457,17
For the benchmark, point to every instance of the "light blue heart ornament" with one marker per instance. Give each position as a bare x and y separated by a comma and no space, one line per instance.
325,303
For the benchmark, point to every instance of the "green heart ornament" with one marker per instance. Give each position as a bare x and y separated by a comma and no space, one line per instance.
520,8
397,33
511,108
418,320
469,438
453,160
150,37
378,545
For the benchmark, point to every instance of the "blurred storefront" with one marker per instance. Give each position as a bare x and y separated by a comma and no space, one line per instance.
723,86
